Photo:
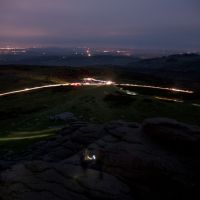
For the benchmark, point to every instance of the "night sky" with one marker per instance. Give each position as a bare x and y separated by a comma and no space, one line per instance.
150,24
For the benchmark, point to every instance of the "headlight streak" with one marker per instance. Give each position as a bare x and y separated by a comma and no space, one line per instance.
168,99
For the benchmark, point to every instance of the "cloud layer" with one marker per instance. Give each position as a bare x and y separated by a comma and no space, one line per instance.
130,23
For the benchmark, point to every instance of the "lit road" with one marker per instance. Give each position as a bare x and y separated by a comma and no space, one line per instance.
94,82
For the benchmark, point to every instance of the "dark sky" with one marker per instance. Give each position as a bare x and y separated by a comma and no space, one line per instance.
151,24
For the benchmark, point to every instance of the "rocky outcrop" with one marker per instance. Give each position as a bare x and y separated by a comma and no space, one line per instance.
181,137
40,180
66,116
139,162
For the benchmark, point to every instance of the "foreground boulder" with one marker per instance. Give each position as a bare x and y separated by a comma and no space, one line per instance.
41,180
139,162
180,136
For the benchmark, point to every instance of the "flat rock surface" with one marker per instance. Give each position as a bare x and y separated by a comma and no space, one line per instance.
133,161
41,180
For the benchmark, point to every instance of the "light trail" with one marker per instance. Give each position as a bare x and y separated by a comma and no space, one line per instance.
94,82
137,85
168,99
157,87
197,105
34,88
51,86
